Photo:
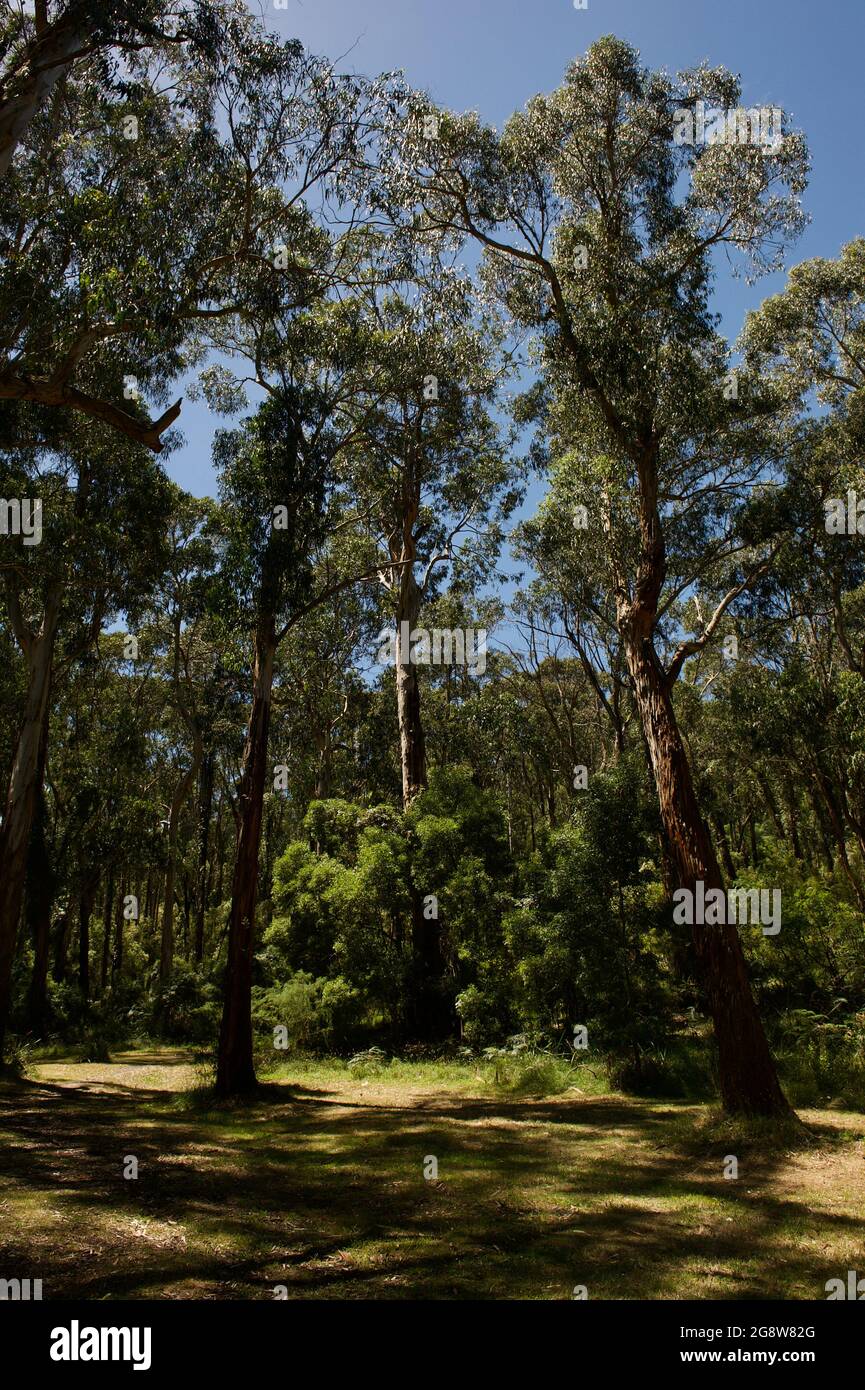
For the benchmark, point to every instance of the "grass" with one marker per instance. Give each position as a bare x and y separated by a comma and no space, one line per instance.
318,1184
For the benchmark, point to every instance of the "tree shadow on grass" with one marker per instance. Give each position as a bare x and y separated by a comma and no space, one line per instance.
304,1187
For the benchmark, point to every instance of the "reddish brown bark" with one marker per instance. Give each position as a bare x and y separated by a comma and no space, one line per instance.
748,1080
747,1076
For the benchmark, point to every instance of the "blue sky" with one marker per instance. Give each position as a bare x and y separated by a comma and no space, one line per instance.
492,55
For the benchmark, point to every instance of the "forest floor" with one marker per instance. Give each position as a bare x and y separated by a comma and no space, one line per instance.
319,1185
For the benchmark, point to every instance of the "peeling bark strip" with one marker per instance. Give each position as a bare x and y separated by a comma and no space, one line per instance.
49,56
82,27
235,1071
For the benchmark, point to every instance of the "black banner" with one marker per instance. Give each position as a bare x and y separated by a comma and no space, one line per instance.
63,1340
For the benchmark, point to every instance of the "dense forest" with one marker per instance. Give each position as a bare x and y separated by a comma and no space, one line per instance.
530,611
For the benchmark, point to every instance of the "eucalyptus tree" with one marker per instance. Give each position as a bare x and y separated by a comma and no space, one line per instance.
40,49
93,549
808,344
292,480
601,213
811,337
150,202
282,500
320,689
193,672
432,468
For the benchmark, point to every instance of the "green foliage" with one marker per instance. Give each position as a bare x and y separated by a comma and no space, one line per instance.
16,1058
817,955
589,943
317,1014
187,1006
95,1040
546,904
343,907
822,1057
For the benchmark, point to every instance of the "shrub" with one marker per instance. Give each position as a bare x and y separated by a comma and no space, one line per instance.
93,1046
15,1058
372,1062
522,1069
822,1058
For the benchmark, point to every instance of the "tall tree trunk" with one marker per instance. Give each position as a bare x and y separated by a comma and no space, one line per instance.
117,962
61,943
723,844
106,928
748,1080
187,914
166,937
427,1011
21,799
836,821
86,899
39,897
793,819
153,897
39,905
747,1076
324,766
166,949
220,851
205,806
755,852
772,805
412,742
235,1072
49,58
